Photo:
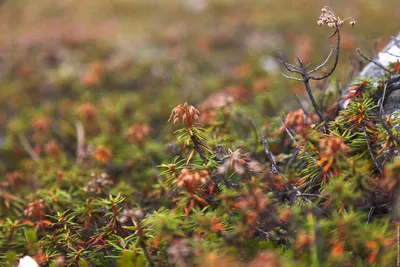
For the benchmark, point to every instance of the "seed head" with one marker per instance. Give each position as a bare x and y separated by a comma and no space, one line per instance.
186,113
329,18
137,133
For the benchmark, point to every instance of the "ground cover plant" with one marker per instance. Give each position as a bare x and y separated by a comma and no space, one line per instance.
94,176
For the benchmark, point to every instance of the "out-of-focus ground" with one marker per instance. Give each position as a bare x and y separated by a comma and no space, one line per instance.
154,30
132,24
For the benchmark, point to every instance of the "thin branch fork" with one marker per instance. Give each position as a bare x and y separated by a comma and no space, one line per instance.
323,64
306,75
329,73
289,67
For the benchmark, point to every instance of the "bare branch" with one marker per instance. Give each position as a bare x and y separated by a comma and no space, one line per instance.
390,53
371,211
142,243
308,65
271,158
288,131
383,99
291,78
299,61
28,148
306,77
340,93
225,179
373,61
301,105
336,59
372,154
313,195
313,102
80,147
323,64
288,66
388,130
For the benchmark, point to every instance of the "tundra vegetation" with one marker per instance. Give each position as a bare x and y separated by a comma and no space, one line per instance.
98,172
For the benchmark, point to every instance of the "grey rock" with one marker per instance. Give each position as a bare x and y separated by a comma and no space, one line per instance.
392,103
391,53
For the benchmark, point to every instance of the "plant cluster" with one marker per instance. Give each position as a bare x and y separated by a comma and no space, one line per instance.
320,187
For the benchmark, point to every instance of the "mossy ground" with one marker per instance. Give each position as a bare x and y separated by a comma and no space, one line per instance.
90,168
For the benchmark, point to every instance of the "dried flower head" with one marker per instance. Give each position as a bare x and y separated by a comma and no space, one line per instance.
357,90
179,253
98,183
102,154
392,175
93,74
52,149
191,180
332,146
303,240
222,100
265,259
329,18
216,225
59,261
252,205
41,124
188,114
298,121
239,162
337,249
285,215
87,112
375,244
137,133
36,209
14,178
216,259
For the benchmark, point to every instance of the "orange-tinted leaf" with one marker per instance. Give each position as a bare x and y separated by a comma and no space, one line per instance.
371,257
337,250
371,244
388,242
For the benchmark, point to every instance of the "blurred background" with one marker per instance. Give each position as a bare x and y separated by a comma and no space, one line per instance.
144,57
